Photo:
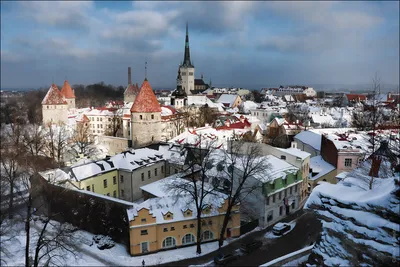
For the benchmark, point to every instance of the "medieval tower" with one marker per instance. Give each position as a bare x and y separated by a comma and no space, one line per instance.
55,106
186,68
68,94
145,117
131,90
179,97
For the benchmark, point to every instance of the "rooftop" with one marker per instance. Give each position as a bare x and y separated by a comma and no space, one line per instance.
54,97
146,100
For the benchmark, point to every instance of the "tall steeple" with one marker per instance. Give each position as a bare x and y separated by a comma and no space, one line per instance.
186,59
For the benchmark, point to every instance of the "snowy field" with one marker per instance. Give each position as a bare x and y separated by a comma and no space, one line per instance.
85,255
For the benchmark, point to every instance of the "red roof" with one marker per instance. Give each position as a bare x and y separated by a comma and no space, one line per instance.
67,91
356,97
132,89
146,100
54,97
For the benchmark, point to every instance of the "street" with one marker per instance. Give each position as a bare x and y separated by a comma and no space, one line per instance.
305,232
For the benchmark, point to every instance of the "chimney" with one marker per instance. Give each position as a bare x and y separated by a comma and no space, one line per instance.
129,76
294,144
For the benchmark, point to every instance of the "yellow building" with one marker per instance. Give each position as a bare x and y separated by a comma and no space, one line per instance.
165,222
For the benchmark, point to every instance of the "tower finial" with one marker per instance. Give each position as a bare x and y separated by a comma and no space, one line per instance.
145,70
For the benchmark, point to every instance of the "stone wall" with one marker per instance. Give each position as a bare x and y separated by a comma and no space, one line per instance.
55,113
146,128
114,145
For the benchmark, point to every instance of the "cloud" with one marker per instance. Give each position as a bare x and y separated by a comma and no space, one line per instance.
65,14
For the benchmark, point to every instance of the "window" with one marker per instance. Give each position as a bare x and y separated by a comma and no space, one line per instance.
165,230
145,247
108,194
172,228
188,239
347,162
121,179
141,117
115,193
152,116
92,187
109,119
184,226
192,225
105,183
101,125
176,170
142,176
143,220
207,235
148,174
143,232
98,126
280,210
273,198
210,223
168,215
101,119
114,180
97,118
267,201
169,242
293,204
290,190
88,188
122,193
270,216
283,157
280,195
155,172
183,73
162,169
295,188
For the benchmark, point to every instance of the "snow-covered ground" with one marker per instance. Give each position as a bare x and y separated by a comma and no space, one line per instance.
85,255
271,235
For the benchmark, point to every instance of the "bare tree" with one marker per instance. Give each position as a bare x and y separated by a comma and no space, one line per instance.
179,122
197,187
33,139
56,142
82,139
114,125
239,171
297,112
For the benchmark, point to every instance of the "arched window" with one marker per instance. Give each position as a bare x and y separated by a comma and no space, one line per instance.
188,239
207,235
169,242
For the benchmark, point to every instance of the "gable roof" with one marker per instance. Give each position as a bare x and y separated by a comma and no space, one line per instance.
54,97
67,91
228,99
146,100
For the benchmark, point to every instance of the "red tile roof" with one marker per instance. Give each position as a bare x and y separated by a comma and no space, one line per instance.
132,89
67,91
146,100
54,97
356,97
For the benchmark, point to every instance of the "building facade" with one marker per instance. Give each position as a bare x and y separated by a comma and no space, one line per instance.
54,107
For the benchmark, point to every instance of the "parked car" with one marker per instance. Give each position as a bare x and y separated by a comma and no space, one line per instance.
250,247
222,259
280,228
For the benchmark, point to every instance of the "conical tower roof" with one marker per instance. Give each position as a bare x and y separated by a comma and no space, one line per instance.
67,91
146,100
131,89
54,97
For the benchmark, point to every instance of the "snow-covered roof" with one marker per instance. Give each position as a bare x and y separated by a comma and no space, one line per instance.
295,152
323,119
277,168
55,175
248,105
310,138
227,99
320,166
159,188
177,205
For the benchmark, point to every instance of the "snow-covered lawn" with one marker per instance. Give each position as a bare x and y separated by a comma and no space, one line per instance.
87,255
271,235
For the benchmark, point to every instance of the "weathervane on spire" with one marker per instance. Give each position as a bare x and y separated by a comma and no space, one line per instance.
145,70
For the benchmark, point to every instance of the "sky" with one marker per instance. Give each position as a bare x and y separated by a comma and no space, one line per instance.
240,44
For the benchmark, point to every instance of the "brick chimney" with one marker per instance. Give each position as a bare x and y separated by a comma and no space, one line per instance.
129,76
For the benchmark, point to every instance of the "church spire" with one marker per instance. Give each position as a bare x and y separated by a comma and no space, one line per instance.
186,60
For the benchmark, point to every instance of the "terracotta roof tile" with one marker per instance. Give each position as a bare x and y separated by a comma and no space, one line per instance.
146,100
67,91
54,97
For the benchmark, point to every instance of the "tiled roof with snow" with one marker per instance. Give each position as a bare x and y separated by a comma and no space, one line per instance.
67,91
277,168
320,166
54,97
227,99
310,138
167,110
160,206
146,100
295,152
323,119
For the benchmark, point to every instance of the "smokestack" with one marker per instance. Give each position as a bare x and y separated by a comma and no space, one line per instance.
129,76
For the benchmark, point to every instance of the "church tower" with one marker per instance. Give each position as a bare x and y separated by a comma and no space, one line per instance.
145,117
54,107
179,96
187,68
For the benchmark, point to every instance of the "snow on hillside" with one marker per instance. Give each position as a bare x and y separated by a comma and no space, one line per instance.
360,227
